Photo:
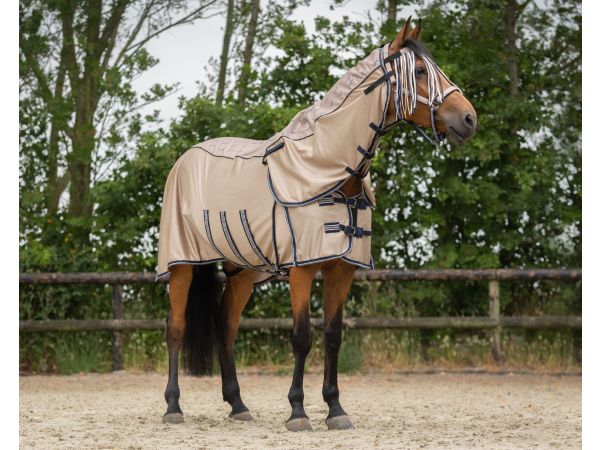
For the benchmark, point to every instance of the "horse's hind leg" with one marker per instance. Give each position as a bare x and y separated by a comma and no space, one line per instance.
179,284
237,293
337,277
300,283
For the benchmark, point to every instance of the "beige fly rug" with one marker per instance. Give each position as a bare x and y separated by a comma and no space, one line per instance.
270,205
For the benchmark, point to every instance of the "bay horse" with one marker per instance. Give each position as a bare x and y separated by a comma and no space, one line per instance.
399,82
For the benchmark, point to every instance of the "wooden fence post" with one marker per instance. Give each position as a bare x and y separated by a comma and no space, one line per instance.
117,311
494,298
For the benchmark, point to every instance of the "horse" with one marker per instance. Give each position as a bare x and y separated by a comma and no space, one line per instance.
284,190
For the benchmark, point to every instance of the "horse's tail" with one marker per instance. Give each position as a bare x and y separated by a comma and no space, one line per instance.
200,319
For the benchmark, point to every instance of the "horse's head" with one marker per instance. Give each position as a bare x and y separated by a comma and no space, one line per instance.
439,104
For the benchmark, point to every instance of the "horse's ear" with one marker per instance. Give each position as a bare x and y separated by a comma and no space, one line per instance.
415,33
398,41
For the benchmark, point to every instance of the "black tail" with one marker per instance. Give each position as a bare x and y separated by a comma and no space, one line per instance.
200,316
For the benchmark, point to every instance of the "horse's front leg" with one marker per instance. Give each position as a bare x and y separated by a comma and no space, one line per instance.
237,293
337,278
300,284
179,284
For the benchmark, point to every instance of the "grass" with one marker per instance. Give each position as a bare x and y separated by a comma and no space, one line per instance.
67,353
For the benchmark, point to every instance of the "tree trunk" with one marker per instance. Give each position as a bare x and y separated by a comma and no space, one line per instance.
392,11
225,52
55,186
248,53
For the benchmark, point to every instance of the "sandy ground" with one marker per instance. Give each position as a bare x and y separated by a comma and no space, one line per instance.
124,410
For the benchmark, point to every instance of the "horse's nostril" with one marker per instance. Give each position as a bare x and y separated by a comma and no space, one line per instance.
469,120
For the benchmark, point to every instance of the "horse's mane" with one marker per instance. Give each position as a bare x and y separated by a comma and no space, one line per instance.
418,48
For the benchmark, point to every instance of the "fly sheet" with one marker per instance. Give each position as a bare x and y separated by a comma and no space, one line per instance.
270,205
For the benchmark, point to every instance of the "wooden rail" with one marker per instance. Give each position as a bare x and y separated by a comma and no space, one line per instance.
494,321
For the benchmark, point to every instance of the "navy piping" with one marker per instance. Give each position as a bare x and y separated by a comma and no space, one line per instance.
250,237
354,262
209,234
373,141
305,202
274,237
289,222
178,262
274,149
230,240
323,258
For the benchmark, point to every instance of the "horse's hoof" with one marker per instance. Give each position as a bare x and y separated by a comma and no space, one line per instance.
300,424
244,416
175,417
339,423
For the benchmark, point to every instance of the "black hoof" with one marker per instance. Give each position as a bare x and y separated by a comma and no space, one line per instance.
339,423
299,424
243,416
173,418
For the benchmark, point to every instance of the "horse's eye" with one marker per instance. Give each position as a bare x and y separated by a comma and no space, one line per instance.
420,71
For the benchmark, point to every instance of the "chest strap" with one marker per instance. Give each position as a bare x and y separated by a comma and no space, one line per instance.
335,227
358,203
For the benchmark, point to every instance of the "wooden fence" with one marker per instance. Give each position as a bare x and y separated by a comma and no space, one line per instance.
494,320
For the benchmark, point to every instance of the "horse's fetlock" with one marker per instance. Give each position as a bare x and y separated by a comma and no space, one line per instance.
296,395
330,392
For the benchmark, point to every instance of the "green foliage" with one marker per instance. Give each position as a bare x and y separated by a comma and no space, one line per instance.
509,198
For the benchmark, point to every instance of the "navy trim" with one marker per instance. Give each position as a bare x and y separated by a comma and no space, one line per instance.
289,222
230,240
209,234
274,236
360,264
305,202
323,258
250,237
386,76
179,262
379,131
274,149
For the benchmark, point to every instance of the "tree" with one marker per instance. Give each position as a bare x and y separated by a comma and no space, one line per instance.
229,25
77,60
248,52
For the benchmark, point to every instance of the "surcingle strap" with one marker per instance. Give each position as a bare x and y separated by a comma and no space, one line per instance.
379,131
335,227
381,80
358,203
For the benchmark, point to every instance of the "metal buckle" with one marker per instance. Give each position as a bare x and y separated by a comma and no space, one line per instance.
352,202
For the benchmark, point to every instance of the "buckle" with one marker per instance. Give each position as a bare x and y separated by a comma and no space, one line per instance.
349,230
352,202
